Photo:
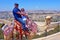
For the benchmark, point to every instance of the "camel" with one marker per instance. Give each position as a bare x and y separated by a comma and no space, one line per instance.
27,34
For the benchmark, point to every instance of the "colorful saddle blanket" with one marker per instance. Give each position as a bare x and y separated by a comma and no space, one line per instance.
7,29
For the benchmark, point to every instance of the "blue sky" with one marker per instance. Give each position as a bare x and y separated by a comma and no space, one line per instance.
30,4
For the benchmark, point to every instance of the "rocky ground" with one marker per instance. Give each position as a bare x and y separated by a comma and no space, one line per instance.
51,37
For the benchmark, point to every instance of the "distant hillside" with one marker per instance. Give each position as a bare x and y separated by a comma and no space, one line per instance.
43,11
5,14
33,14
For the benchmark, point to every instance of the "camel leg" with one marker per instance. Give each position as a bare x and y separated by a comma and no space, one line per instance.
11,36
5,37
32,35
